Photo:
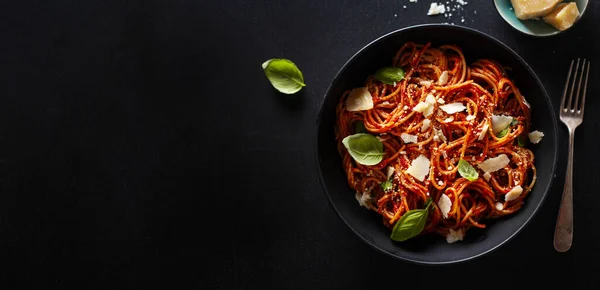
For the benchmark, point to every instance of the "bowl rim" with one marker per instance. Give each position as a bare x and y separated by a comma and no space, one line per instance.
556,32
362,50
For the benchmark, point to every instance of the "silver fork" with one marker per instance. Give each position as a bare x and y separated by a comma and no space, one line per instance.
571,114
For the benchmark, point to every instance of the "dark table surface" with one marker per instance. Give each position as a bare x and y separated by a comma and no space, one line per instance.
142,145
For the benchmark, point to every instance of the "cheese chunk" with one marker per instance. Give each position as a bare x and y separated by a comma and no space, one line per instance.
444,204
494,164
419,168
359,99
454,236
513,193
426,124
500,123
408,138
453,108
529,9
563,16
535,136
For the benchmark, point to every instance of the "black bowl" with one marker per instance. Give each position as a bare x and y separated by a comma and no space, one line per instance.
433,249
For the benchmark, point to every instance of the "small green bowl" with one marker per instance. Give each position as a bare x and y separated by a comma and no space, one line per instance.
533,27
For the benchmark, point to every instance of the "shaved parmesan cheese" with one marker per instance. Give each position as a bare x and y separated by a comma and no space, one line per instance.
470,117
439,135
499,206
483,132
535,136
487,176
443,78
426,124
444,204
500,123
407,138
390,171
453,108
449,119
425,108
421,107
425,83
494,164
454,236
359,99
419,168
362,199
513,193
441,101
430,99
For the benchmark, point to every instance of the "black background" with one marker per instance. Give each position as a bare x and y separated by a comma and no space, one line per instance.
141,146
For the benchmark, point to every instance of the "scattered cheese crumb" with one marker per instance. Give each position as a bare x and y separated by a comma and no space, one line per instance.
444,204
435,9
405,108
470,117
449,119
426,124
535,136
494,164
499,206
454,236
408,138
419,168
439,135
441,101
403,152
453,108
440,183
513,193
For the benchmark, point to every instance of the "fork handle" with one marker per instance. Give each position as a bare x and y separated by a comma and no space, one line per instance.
563,233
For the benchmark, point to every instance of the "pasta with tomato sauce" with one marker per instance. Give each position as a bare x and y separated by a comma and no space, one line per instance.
433,132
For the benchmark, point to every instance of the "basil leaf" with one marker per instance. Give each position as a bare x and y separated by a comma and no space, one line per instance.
389,75
386,185
284,75
503,132
359,127
410,224
366,149
514,122
467,171
522,140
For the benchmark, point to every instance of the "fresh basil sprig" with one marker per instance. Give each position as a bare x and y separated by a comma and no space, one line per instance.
366,149
467,171
522,140
503,132
411,223
386,185
389,75
284,75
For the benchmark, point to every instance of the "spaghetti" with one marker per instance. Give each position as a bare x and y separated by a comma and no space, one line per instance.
466,104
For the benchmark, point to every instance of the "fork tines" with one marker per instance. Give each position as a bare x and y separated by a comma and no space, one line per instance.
582,68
